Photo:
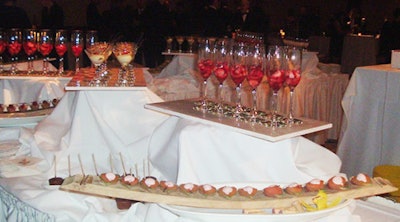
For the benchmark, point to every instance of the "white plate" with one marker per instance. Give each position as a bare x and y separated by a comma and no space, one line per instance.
220,215
23,118
236,215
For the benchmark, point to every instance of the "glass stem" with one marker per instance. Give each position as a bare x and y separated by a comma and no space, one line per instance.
238,101
219,100
1,64
274,109
45,62
76,64
61,66
203,95
254,105
291,107
14,66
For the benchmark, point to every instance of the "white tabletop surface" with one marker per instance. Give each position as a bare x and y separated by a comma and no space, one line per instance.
371,125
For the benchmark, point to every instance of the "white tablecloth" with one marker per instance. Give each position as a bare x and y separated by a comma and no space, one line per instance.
371,125
107,124
317,96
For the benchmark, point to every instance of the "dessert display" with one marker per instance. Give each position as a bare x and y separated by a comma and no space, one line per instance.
149,182
361,179
227,197
109,178
294,188
168,186
315,185
207,189
247,191
273,191
188,188
130,180
27,107
337,183
227,191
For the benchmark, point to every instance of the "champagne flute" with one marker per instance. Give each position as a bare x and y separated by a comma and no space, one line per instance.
45,47
77,47
124,52
180,40
14,47
205,64
3,46
276,76
239,73
61,48
256,70
222,60
293,75
29,44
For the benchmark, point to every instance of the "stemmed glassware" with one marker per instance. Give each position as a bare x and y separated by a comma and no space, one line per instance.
3,46
190,39
124,52
98,53
77,47
45,47
206,66
293,75
61,45
180,40
222,60
14,47
256,71
276,59
169,41
239,73
29,44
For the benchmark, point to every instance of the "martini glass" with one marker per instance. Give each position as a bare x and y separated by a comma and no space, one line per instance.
180,40
222,60
61,48
239,73
256,70
98,53
45,46
276,76
124,52
3,46
77,47
205,64
29,43
14,47
293,75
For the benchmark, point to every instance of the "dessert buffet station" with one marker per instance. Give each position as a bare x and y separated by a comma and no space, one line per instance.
111,149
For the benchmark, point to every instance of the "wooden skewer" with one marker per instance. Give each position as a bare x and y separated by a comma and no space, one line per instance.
136,170
144,168
55,166
69,166
95,165
122,162
81,165
111,163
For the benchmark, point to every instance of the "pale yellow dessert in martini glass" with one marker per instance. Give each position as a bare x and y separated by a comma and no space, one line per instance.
124,52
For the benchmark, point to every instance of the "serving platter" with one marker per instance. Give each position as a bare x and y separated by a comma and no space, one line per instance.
82,81
23,118
185,109
93,185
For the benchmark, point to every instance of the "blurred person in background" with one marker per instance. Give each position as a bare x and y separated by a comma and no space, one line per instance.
12,16
52,15
390,37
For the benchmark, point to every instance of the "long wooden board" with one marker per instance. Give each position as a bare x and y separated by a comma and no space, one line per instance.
93,185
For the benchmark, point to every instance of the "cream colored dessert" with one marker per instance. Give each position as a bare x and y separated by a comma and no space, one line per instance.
124,59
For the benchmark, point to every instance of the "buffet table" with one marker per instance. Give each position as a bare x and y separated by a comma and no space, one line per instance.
109,130
371,124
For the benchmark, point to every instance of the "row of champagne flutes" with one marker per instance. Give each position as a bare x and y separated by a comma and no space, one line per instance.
42,41
241,61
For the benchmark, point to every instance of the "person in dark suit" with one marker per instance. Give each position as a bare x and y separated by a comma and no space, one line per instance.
250,17
52,15
389,38
213,20
12,16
